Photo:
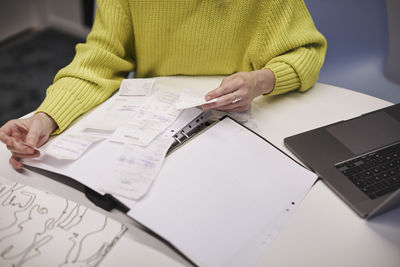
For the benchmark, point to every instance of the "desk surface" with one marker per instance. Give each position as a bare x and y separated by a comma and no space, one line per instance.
322,232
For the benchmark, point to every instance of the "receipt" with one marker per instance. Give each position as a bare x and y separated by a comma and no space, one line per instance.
119,113
135,168
136,87
151,119
70,146
190,98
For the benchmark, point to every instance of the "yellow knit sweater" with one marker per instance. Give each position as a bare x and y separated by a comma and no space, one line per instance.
186,37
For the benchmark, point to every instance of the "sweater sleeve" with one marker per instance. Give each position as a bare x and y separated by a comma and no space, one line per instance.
294,47
97,69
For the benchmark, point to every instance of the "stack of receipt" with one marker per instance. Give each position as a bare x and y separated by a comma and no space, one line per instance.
135,123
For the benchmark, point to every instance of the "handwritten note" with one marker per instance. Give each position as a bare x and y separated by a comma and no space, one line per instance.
190,98
136,167
70,146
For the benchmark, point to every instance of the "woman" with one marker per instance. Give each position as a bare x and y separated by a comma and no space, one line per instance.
262,46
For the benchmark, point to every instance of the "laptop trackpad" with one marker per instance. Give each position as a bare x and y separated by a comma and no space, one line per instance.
367,132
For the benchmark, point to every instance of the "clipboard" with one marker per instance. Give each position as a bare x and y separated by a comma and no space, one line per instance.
186,160
223,195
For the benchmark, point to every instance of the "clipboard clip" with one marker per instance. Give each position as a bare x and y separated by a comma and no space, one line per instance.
192,128
106,202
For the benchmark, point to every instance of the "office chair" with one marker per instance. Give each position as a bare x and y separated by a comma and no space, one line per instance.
357,34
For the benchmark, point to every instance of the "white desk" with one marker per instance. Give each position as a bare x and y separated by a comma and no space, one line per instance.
322,232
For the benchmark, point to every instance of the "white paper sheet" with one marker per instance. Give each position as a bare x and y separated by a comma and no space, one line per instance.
190,98
40,229
224,196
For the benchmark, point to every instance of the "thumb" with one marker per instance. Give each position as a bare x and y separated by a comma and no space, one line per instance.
3,137
211,94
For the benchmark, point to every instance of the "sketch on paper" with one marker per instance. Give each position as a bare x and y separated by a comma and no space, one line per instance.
40,229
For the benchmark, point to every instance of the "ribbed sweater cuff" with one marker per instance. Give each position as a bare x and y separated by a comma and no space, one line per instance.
63,106
286,79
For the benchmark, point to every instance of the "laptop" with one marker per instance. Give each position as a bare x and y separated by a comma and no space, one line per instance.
359,159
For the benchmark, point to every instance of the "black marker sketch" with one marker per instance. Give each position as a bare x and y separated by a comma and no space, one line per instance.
40,229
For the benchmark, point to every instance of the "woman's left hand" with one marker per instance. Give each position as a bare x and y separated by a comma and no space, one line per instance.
236,91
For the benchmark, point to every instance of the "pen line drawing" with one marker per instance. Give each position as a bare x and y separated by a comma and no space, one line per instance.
40,229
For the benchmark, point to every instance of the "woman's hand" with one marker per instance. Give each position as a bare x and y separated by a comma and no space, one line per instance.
21,136
236,91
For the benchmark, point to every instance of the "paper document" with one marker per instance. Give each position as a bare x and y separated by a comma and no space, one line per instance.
70,146
41,229
121,110
135,168
136,87
190,98
152,118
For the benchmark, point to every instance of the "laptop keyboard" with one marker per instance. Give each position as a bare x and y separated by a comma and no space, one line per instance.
376,173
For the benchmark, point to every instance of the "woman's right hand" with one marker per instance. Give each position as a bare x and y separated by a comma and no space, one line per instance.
22,135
